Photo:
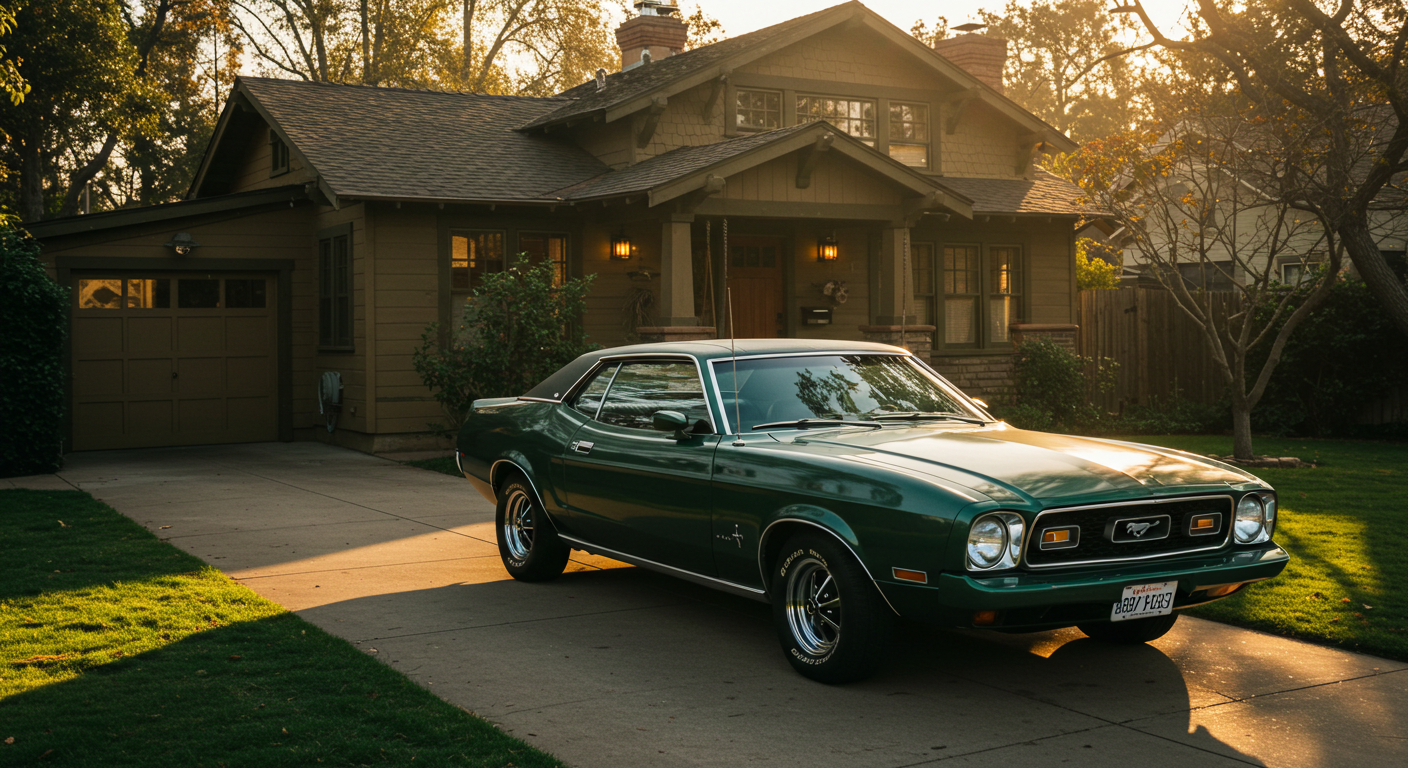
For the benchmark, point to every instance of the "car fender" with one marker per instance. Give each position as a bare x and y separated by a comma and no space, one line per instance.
816,517
516,460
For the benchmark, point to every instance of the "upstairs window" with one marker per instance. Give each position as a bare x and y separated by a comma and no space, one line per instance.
853,116
759,110
909,133
278,154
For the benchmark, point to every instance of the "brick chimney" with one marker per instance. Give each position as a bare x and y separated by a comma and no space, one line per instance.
980,56
657,31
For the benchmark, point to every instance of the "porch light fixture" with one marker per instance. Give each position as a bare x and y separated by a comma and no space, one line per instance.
182,243
621,247
826,248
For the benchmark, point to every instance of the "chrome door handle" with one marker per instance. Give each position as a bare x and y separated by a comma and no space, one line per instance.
582,446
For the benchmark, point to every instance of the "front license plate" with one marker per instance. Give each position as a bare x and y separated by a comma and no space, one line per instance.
1143,600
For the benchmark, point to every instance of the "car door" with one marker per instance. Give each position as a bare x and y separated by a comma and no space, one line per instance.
633,488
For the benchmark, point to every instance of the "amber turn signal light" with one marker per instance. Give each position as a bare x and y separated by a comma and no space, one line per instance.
904,574
1056,537
984,618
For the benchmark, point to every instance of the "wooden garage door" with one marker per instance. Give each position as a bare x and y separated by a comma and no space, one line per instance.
176,359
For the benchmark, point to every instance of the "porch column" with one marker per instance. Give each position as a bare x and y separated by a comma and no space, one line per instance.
894,277
677,321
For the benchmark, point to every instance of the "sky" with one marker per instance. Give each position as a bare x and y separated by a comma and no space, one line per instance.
740,16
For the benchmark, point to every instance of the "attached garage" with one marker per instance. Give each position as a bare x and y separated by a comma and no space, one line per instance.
173,359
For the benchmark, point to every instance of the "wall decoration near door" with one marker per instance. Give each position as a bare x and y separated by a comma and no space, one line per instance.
179,359
755,280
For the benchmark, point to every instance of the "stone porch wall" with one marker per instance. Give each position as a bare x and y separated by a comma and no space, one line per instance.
989,377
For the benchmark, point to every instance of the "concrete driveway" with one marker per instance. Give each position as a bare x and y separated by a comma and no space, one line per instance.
614,666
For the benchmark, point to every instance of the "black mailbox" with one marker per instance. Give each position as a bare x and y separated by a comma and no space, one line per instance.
816,315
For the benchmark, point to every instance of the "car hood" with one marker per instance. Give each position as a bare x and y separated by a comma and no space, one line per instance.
1001,461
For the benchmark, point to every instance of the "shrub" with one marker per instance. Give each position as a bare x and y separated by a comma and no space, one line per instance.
518,328
1053,391
33,326
1339,359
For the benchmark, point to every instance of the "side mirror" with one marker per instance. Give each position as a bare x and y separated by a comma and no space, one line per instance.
671,421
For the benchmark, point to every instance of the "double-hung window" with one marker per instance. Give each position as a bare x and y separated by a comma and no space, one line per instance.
909,133
971,293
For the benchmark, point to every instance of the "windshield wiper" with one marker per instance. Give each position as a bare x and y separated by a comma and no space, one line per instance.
922,415
808,423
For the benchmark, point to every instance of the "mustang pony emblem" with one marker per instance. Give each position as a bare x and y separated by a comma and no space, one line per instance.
1139,529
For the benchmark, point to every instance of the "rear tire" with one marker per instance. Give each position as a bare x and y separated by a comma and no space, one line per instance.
832,622
528,544
1129,632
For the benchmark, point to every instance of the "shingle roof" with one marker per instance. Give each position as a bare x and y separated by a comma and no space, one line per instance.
638,81
672,165
405,144
1043,193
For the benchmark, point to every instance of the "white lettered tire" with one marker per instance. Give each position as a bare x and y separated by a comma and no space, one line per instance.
832,622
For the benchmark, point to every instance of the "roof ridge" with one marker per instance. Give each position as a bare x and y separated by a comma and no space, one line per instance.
402,89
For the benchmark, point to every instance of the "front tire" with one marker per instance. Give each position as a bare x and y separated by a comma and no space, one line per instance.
1130,632
528,544
832,622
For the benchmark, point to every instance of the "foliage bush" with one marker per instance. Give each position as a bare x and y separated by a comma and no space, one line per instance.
1095,265
518,328
33,326
1176,415
1053,391
1341,358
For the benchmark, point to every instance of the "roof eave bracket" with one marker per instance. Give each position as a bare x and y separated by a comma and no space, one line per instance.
956,105
809,159
652,121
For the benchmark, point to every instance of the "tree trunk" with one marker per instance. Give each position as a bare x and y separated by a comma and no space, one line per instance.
1241,429
1390,292
32,175
80,178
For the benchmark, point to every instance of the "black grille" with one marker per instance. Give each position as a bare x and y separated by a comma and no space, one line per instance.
1093,521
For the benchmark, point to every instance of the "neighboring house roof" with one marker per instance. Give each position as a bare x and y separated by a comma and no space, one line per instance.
631,90
393,143
1045,193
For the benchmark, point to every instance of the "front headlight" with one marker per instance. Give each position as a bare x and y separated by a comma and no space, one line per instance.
1250,525
995,541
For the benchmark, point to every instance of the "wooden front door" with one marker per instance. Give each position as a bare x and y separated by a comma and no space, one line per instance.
755,281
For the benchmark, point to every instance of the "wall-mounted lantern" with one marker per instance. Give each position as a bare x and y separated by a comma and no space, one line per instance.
621,247
827,248
183,243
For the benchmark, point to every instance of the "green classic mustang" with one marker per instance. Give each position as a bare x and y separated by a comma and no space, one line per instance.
848,484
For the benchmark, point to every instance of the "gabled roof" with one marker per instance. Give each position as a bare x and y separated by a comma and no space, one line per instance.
392,143
632,90
679,171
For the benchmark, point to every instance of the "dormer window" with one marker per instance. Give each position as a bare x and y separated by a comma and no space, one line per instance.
909,133
278,154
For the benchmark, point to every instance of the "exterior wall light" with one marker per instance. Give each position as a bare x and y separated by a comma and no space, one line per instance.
621,247
182,243
826,248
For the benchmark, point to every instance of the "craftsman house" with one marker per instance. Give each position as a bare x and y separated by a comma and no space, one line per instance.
839,178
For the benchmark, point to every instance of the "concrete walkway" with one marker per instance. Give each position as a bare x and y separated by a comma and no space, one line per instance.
612,666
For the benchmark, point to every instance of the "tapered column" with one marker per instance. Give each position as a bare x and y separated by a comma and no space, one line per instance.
895,319
676,319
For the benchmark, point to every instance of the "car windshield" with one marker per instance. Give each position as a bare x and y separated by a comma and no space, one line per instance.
779,390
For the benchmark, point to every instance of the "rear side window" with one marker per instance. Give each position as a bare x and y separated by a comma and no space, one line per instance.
641,389
588,400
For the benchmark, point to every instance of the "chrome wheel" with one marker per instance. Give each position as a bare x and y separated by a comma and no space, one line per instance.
518,524
813,607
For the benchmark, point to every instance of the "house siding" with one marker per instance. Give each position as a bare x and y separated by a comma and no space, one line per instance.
255,165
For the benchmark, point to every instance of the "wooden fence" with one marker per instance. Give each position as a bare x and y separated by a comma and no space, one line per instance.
1161,352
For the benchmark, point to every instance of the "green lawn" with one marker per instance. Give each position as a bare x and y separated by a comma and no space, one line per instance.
1344,524
117,649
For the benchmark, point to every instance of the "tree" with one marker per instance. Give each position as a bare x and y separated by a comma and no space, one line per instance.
1064,64
11,81
1191,212
921,31
1330,89
703,29
530,47
1096,267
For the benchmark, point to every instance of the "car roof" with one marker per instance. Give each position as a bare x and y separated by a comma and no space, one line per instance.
557,385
